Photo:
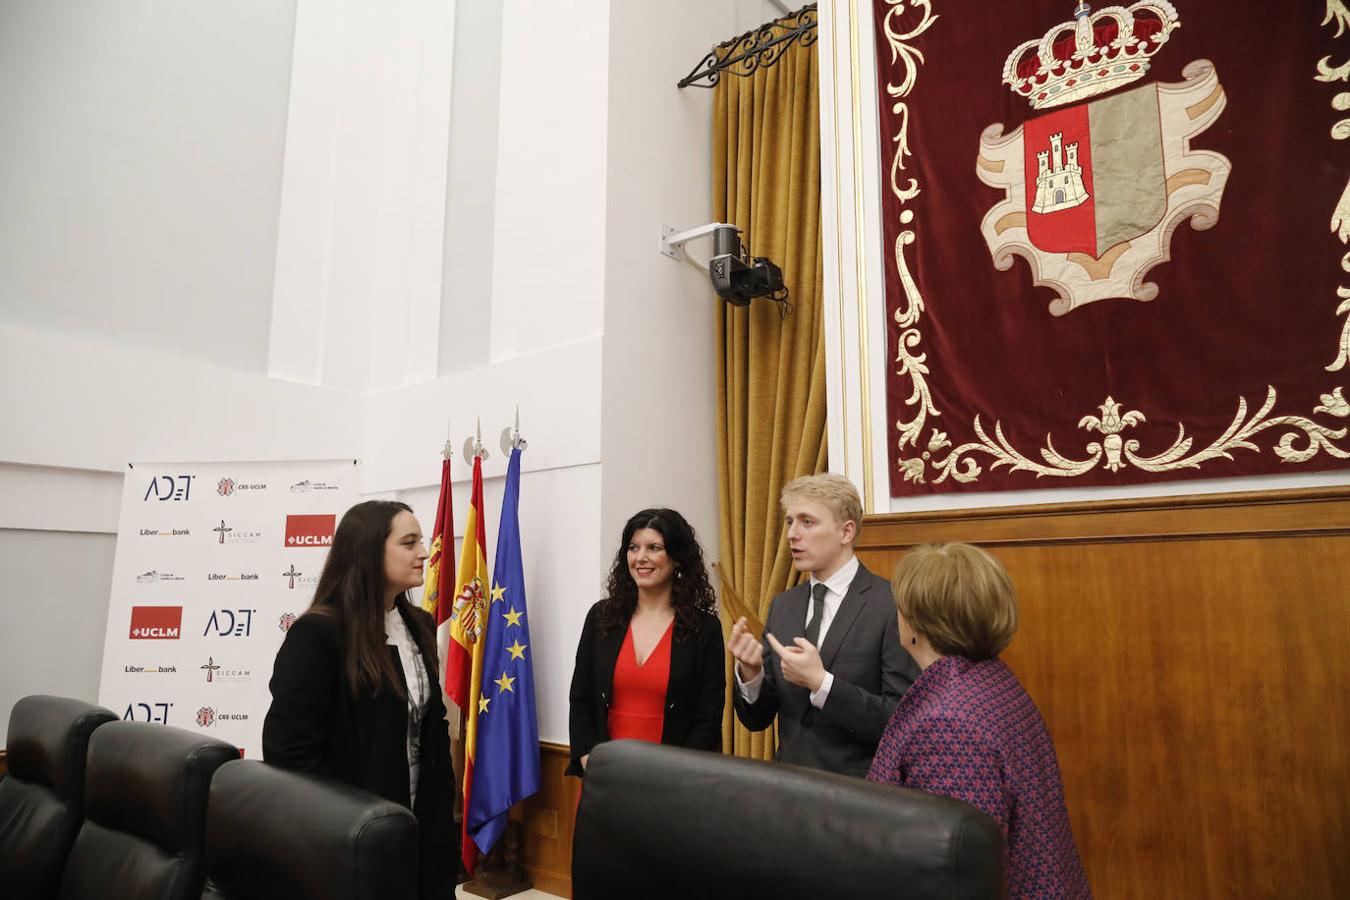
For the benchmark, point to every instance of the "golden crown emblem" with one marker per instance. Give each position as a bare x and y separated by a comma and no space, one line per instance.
1090,54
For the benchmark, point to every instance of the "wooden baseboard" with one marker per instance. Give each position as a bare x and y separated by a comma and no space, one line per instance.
4,766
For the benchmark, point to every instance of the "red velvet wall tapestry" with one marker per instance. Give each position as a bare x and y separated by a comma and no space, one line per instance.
1115,240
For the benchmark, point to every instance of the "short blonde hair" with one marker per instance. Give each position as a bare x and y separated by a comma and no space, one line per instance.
833,491
957,596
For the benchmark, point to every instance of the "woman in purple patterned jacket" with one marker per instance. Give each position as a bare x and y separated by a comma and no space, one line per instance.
966,728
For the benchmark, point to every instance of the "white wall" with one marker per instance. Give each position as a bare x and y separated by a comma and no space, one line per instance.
139,171
550,225
471,186
54,593
658,424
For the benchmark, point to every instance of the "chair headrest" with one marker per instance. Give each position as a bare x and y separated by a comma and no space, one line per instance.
48,740
152,781
278,834
701,824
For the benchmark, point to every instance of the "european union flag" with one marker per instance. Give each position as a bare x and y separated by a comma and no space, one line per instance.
506,758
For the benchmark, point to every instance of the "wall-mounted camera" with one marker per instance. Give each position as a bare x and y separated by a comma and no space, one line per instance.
737,277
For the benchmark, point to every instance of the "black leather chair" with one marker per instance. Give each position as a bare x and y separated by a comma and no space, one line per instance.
145,798
659,821
42,796
277,835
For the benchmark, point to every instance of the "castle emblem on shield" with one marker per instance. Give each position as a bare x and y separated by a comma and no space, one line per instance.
1095,190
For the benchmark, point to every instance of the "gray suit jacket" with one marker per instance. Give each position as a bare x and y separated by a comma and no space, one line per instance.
871,672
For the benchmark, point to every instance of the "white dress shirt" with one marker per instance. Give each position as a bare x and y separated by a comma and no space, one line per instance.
419,691
836,586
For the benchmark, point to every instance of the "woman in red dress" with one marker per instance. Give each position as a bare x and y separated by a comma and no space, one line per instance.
650,663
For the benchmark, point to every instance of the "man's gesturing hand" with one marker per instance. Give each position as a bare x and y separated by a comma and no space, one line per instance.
801,663
747,651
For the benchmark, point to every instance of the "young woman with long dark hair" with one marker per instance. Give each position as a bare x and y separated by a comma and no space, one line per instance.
650,663
354,689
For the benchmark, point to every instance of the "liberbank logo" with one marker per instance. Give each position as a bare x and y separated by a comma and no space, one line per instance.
310,531
162,623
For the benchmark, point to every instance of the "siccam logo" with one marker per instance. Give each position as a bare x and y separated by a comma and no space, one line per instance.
310,531
156,622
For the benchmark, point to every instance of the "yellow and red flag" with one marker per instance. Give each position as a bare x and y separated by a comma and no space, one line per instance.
464,656
438,592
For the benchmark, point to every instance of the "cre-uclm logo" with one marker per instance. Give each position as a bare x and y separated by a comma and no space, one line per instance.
169,487
147,712
310,531
226,487
286,621
208,716
156,623
230,623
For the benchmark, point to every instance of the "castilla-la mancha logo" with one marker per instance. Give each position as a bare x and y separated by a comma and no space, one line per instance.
1095,190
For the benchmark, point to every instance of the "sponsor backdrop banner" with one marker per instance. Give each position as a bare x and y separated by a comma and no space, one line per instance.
1114,240
213,563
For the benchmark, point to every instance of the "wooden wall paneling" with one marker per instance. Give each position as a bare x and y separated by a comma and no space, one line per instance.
1189,656
547,818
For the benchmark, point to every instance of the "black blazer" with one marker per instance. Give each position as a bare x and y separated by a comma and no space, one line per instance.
695,694
316,724
871,672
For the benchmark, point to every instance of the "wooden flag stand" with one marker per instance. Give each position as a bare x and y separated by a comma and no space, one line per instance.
499,873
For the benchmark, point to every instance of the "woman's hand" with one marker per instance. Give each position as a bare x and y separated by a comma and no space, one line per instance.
584,759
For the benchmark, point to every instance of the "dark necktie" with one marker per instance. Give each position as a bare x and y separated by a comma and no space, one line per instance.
817,613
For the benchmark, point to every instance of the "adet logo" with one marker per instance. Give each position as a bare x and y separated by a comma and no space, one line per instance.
163,623
310,531
169,487
147,712
230,623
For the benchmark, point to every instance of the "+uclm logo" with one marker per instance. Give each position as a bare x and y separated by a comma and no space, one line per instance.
310,531
156,623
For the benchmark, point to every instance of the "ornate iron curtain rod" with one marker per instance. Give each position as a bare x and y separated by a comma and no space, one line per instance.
758,48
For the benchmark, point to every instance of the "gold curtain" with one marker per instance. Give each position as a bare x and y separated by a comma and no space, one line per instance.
771,374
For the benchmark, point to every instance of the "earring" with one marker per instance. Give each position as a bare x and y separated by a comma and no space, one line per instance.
679,573
914,640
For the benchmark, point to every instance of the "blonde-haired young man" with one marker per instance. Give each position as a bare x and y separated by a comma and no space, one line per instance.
831,667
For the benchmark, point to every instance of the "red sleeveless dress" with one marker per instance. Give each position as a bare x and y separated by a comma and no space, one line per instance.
637,708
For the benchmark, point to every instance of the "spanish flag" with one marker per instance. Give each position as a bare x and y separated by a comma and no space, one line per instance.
464,657
439,588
